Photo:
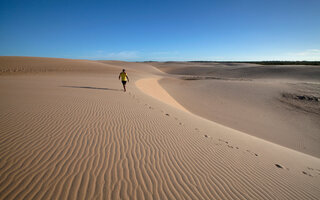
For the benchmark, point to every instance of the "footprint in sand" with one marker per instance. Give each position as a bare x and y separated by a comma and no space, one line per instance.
207,136
233,147
312,172
306,173
281,167
223,141
252,153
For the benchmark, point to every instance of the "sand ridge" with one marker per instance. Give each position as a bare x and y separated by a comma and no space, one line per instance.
13,65
253,99
79,136
151,87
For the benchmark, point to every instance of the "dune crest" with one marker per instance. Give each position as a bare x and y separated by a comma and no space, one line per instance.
151,87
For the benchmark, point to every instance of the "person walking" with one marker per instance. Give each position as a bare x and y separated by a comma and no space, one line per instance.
124,78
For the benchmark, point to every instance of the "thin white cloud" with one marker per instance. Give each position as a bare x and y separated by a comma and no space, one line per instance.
160,53
121,55
135,55
309,54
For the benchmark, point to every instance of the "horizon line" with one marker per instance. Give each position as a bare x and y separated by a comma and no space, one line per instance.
217,61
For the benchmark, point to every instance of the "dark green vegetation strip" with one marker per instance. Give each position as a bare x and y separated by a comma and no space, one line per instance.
266,62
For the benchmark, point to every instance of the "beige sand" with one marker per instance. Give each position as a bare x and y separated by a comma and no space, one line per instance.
258,100
151,87
76,135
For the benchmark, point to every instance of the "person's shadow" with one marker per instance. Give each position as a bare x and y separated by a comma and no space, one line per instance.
93,88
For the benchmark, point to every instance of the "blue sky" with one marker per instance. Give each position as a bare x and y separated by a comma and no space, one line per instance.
140,30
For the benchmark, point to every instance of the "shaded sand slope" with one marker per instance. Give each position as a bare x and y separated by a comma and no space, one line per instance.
256,108
240,70
277,103
151,87
78,136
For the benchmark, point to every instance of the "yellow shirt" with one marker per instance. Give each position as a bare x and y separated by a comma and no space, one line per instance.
123,76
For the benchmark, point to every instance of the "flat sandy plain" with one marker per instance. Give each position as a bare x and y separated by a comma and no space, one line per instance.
181,131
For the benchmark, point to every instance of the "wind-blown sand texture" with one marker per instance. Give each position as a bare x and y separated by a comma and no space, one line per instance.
74,134
277,103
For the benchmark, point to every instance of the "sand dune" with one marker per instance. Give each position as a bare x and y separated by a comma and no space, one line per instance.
79,136
241,70
31,65
151,87
260,100
254,107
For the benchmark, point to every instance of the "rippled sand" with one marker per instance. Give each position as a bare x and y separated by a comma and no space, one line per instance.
72,133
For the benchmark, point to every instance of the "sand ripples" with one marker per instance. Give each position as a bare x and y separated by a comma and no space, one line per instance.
92,145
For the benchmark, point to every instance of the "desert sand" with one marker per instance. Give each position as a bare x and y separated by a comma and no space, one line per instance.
262,101
68,131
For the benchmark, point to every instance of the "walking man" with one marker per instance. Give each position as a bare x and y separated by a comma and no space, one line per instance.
124,78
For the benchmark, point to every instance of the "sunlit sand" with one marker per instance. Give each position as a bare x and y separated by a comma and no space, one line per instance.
68,131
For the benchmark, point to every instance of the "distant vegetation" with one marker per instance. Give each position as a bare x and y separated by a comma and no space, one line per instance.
252,62
266,62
